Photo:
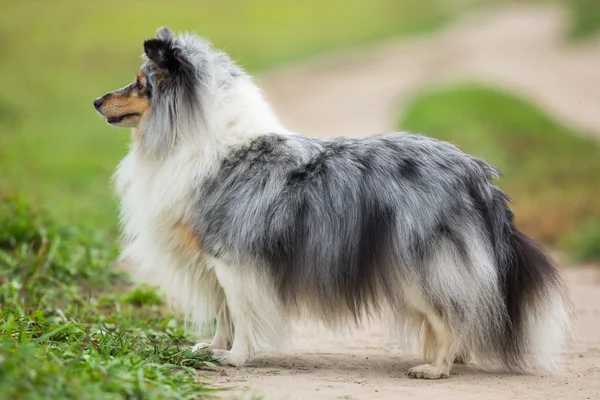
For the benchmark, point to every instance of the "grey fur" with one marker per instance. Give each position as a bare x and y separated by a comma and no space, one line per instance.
180,69
351,223
348,228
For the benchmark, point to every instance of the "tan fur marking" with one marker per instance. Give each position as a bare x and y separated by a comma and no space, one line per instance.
136,135
428,342
118,104
187,238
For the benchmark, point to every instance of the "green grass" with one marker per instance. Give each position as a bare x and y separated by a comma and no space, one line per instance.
585,18
69,329
551,172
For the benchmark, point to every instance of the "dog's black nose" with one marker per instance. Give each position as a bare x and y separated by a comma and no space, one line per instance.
98,103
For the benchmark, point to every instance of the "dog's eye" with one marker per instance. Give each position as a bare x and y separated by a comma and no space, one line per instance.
138,85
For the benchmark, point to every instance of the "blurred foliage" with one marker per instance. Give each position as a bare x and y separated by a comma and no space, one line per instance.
67,331
57,56
585,17
585,241
551,172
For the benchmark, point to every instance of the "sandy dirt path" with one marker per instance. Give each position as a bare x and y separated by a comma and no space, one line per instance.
364,364
522,49
362,92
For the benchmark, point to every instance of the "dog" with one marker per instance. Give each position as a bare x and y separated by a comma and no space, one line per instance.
240,220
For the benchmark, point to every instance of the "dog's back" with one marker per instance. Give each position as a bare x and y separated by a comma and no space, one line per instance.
348,227
238,218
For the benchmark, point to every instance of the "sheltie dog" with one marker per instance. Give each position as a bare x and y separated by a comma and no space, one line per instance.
237,218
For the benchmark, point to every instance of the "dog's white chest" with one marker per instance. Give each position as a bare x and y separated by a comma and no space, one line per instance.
155,199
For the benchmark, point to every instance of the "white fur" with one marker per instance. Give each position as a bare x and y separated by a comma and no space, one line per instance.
156,195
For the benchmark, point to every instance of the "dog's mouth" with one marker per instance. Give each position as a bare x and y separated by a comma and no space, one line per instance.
119,119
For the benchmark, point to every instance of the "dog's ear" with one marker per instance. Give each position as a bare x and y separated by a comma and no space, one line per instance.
164,33
162,51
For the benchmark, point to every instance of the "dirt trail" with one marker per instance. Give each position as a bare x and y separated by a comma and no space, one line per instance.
364,364
362,92
520,48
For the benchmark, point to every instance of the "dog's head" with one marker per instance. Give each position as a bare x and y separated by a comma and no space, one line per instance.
167,69
127,106
180,80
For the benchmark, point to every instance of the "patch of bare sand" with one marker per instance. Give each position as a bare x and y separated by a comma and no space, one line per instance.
365,364
361,92
519,48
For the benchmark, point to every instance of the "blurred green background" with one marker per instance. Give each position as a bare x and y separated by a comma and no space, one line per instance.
57,56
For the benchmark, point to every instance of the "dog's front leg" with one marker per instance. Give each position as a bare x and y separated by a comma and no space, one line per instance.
225,330
223,338
254,312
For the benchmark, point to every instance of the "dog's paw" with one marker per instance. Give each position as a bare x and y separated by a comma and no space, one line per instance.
227,357
427,371
203,347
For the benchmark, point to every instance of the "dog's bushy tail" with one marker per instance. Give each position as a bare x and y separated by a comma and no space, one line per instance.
534,295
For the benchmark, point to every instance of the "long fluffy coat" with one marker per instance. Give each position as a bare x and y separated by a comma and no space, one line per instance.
239,219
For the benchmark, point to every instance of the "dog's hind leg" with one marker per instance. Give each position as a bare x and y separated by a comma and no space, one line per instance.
254,313
437,339
437,345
